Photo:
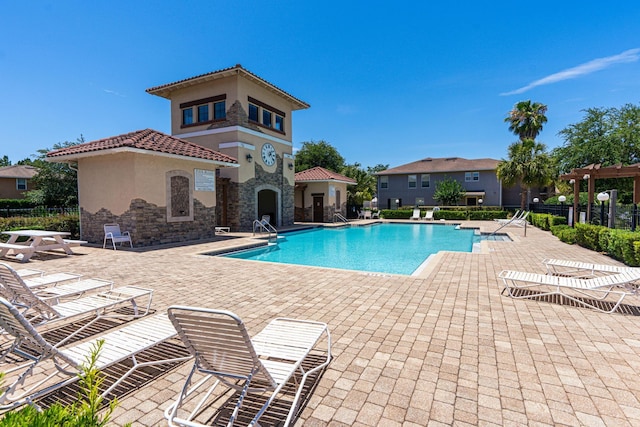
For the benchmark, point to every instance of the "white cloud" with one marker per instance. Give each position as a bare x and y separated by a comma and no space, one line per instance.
113,92
631,55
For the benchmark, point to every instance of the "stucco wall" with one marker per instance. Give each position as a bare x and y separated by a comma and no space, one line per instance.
112,181
329,199
134,190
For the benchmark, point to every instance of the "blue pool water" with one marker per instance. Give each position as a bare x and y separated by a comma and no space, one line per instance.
383,248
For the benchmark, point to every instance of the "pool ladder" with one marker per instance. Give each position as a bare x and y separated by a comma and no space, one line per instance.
339,216
264,226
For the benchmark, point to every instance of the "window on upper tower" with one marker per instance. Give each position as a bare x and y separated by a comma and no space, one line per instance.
253,113
187,116
219,110
279,123
203,113
266,118
205,110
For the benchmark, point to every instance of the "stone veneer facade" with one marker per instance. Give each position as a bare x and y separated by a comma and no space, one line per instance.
148,224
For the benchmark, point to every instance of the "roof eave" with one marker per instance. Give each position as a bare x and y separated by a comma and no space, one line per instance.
164,91
74,157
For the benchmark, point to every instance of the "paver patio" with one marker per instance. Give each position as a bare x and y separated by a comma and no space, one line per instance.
445,348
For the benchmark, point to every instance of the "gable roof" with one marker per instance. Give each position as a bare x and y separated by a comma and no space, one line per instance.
443,164
165,90
320,174
18,171
147,140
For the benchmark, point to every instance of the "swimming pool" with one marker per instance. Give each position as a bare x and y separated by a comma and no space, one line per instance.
382,248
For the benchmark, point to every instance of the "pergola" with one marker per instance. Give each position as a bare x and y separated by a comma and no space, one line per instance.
597,171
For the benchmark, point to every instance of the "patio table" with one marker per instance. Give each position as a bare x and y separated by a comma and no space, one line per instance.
38,241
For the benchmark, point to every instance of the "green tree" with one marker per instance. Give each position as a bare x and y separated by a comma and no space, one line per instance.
56,183
364,189
4,161
319,153
448,192
606,136
528,164
527,119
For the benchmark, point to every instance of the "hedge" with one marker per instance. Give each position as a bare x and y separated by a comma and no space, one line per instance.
68,223
622,245
16,204
565,233
546,221
456,215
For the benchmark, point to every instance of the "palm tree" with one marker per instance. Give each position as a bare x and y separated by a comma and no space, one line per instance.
528,164
526,119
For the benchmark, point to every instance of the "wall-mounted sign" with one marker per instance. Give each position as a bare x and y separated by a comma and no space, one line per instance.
205,180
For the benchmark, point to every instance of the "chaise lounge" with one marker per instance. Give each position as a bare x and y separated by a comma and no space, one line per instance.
54,366
224,354
579,290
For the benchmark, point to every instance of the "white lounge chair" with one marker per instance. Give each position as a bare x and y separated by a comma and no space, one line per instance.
367,214
581,269
416,214
520,221
98,306
580,290
375,215
225,354
54,366
428,216
112,232
515,216
51,287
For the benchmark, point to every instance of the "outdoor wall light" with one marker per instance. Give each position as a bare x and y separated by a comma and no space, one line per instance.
562,199
290,166
536,200
572,181
586,176
480,201
249,158
603,197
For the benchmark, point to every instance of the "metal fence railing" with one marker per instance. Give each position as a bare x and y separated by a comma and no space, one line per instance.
625,217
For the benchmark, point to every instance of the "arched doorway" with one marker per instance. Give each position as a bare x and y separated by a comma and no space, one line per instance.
268,205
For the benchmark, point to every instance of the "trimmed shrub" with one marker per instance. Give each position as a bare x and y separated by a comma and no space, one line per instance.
451,215
69,223
16,204
396,213
487,215
588,236
564,233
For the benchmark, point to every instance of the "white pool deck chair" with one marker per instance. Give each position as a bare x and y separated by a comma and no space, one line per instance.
428,216
416,214
112,232
44,315
581,269
55,366
515,216
225,354
52,288
579,290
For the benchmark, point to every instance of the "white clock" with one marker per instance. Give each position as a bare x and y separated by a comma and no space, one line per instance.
268,154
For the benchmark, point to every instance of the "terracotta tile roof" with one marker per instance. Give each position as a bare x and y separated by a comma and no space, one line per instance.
321,174
166,89
147,139
444,164
18,171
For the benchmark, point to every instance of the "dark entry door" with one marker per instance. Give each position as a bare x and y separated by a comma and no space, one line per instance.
318,208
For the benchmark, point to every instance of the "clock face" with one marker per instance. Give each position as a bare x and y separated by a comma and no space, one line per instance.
268,154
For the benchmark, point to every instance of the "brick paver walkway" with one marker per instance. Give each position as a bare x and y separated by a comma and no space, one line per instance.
441,349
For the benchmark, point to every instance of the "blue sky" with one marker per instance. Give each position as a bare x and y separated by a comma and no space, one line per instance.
388,82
